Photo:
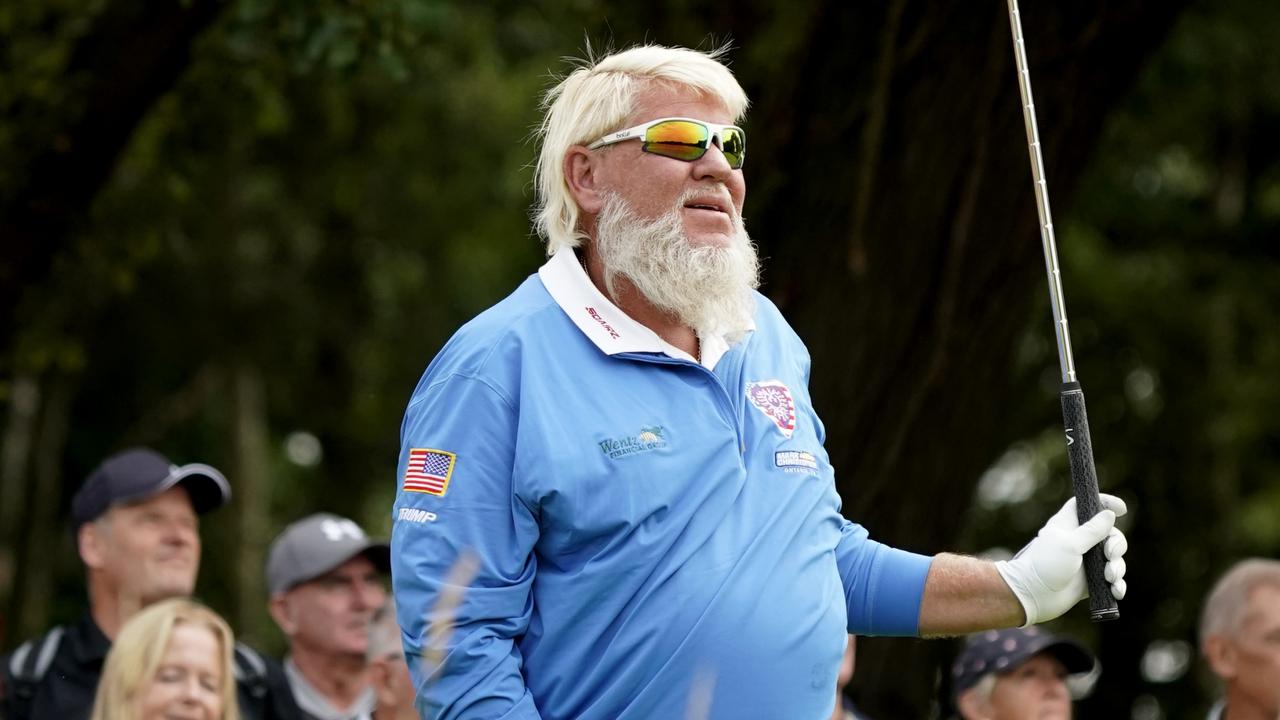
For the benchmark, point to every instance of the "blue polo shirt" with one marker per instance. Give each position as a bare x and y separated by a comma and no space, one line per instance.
592,524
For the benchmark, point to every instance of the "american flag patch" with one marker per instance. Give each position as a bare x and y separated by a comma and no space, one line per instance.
428,471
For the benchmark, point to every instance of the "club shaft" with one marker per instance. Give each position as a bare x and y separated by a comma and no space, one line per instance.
1065,359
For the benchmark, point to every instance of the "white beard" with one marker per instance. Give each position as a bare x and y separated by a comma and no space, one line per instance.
705,288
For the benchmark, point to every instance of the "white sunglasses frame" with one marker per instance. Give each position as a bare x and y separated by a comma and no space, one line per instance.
715,134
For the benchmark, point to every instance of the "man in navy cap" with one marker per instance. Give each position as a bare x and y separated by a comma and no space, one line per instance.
1016,674
136,524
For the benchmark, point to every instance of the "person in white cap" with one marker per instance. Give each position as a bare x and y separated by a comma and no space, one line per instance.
325,577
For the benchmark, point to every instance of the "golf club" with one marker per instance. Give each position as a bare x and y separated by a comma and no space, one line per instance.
1102,606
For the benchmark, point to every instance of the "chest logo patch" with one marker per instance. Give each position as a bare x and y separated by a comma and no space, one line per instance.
772,398
652,437
796,461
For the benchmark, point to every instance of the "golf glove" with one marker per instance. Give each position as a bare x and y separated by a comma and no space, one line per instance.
1047,575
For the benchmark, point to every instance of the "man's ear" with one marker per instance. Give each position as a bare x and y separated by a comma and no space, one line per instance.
1220,652
91,544
282,613
581,168
973,706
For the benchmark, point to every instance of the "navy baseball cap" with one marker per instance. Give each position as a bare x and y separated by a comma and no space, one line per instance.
139,473
1002,651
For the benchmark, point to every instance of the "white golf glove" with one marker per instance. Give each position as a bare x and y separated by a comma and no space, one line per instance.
1048,574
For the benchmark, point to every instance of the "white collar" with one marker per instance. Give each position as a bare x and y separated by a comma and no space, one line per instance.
604,323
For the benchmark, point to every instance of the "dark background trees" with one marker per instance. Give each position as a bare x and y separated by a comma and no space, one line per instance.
238,231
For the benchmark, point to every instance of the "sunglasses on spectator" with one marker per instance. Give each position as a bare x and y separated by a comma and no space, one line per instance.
683,139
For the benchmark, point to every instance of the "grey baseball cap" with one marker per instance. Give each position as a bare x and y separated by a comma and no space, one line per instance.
316,544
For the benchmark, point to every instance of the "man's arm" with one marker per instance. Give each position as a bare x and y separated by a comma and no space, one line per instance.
1044,580
964,595
462,553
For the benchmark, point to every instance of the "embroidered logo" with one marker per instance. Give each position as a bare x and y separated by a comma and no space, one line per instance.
649,438
414,515
428,471
796,461
607,327
773,399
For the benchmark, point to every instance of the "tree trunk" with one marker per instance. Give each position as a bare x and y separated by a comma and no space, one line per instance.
251,499
43,531
19,443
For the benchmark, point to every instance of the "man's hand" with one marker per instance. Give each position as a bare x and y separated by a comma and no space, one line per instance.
1047,575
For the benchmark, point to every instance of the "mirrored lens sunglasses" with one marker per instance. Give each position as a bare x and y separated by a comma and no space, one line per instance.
683,139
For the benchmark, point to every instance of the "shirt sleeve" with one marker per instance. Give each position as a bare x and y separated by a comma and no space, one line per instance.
883,586
462,553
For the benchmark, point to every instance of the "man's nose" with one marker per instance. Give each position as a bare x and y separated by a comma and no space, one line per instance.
176,533
712,165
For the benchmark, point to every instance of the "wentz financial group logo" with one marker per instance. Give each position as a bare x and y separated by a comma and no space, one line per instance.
649,438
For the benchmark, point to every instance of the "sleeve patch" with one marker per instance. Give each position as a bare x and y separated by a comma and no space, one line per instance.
428,471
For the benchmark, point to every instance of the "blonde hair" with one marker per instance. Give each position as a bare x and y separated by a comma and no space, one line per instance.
597,98
136,653
1224,609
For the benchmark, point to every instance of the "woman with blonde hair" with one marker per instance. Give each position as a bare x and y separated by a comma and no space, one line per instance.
171,660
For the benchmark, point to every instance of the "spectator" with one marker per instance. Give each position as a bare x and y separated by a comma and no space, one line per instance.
325,577
1240,639
171,660
136,523
1016,674
388,673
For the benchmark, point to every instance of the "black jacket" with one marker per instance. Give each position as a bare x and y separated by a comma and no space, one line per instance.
62,685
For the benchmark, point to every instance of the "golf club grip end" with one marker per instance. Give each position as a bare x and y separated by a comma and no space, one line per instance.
1102,604
1104,615
1084,481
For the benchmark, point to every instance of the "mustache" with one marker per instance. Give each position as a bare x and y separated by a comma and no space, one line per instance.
719,190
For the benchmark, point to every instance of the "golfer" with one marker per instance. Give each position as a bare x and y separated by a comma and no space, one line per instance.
614,501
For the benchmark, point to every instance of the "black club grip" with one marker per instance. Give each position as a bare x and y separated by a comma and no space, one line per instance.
1102,606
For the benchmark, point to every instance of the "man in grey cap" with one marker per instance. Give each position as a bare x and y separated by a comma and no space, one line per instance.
1016,674
325,577
137,531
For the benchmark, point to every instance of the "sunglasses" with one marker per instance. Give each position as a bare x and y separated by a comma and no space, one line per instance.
683,139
